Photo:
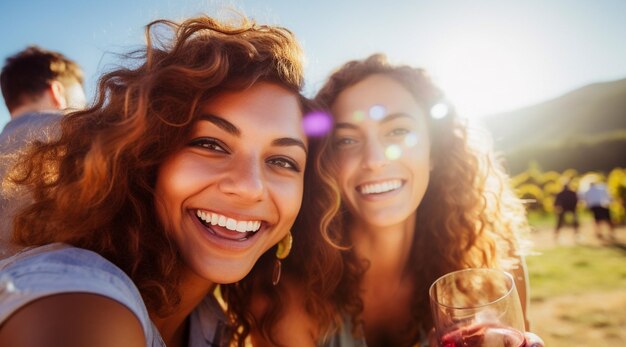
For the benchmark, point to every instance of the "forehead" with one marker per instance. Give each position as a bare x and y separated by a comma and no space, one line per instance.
261,108
373,98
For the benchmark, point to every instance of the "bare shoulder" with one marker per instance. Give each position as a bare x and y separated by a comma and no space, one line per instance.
295,328
72,319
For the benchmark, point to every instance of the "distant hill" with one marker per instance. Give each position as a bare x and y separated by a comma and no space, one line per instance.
584,129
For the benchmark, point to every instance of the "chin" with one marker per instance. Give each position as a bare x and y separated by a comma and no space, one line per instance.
388,221
227,278
223,272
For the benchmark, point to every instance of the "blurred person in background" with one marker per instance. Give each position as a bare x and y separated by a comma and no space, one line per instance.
37,80
38,87
597,199
565,203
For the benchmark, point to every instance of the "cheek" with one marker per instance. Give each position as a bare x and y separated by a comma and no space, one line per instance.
182,176
288,197
177,179
346,166
165,192
419,164
417,157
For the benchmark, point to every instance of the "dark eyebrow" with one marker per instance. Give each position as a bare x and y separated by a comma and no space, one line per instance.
345,126
393,116
221,123
387,118
289,141
232,129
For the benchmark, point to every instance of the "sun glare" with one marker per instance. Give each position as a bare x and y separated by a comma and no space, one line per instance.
483,73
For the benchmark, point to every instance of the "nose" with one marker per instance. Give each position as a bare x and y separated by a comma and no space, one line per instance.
244,180
374,156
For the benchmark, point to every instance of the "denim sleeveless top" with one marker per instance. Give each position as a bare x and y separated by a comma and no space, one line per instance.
58,268
343,337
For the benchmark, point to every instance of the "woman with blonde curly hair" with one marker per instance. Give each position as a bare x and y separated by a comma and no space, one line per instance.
417,201
188,168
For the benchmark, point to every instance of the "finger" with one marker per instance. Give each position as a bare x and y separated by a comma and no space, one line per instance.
533,340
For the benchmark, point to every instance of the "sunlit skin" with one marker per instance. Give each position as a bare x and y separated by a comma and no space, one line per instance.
75,97
244,160
57,96
381,149
380,136
373,150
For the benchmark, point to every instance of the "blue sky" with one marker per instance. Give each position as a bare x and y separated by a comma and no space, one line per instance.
489,56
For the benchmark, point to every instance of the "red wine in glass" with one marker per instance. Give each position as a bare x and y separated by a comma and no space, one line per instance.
477,308
483,335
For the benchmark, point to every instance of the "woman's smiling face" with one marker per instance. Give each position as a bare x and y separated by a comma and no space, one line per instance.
236,188
382,149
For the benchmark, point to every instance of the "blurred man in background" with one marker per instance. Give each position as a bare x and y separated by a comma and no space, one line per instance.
597,199
38,87
565,203
36,81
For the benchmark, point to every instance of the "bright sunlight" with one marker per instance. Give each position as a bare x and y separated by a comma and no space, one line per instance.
486,72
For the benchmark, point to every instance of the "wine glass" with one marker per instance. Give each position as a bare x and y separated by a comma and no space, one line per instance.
477,308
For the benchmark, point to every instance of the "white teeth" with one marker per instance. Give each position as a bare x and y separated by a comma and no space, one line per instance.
242,227
228,223
231,224
377,188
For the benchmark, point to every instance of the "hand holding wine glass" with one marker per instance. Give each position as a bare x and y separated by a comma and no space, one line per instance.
478,308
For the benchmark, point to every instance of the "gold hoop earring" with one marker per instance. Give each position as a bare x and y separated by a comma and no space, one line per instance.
282,251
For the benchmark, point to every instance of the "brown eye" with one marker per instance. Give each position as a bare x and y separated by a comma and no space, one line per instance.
399,132
284,163
209,143
343,142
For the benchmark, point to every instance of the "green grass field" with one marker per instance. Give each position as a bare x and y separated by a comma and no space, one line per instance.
578,293
575,270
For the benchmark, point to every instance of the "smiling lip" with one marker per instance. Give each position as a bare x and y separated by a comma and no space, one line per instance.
224,237
215,219
380,187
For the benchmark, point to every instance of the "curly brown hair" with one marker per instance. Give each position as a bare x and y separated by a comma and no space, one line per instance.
469,217
94,187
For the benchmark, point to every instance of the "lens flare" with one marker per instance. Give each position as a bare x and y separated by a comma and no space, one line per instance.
393,152
317,123
439,110
358,116
411,140
378,112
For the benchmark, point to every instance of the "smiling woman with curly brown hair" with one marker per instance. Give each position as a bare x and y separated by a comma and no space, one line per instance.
418,200
189,167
